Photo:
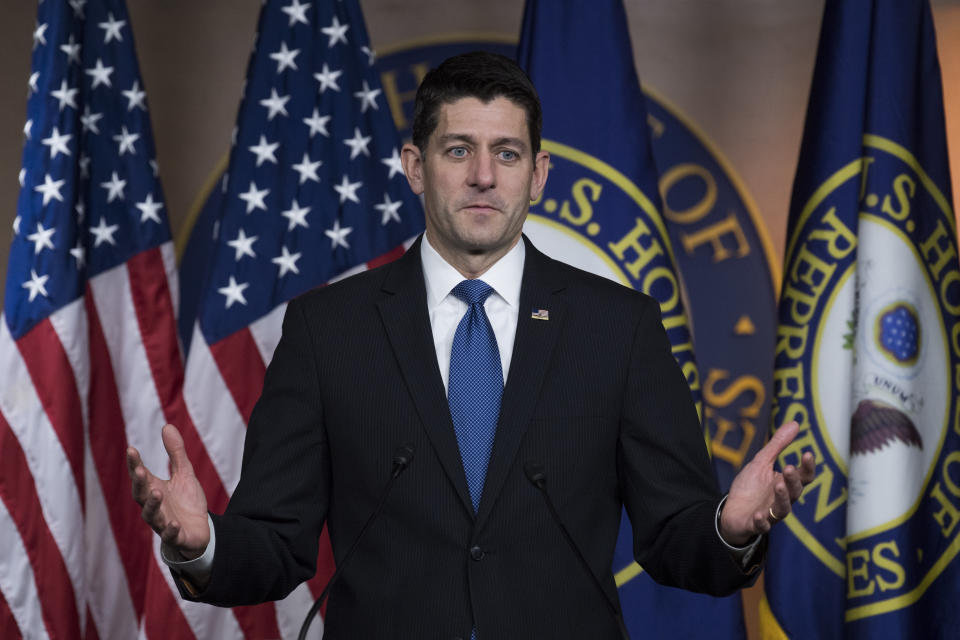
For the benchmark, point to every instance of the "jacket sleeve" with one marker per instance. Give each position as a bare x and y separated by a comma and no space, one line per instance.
267,540
664,471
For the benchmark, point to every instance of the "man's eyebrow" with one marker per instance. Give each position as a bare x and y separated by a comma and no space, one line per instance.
458,137
466,137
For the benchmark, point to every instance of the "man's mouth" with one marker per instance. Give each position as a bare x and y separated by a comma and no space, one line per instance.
481,207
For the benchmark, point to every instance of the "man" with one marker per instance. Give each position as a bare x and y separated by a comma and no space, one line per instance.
440,350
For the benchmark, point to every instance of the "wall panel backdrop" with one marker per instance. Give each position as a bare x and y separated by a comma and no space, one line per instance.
739,69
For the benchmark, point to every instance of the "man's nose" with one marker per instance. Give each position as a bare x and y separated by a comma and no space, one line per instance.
483,173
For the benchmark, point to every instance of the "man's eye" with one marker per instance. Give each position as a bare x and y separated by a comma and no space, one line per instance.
508,155
458,152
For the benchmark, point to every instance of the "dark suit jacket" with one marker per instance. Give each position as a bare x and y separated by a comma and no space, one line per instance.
593,394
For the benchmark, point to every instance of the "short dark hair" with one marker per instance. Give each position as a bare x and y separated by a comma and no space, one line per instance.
478,74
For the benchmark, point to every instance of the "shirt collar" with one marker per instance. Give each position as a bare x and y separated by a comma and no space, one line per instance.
441,277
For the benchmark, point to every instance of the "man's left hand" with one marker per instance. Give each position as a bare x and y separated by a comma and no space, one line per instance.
759,496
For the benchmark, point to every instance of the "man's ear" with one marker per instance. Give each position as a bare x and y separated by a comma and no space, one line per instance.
412,161
541,166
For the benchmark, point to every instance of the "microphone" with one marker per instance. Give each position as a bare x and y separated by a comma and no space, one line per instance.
401,460
538,478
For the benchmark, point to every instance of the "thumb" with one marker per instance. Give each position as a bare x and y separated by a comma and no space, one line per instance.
778,442
173,443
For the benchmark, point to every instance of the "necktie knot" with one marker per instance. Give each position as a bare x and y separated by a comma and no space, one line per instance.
472,291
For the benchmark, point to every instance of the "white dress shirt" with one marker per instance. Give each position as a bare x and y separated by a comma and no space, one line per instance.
446,310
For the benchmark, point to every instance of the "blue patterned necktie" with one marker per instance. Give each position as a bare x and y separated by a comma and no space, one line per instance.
475,386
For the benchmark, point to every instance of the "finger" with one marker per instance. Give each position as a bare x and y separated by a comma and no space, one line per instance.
783,436
133,460
140,484
781,499
152,514
761,522
170,533
791,476
808,468
173,443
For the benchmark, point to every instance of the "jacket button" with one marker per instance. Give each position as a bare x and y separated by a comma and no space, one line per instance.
476,553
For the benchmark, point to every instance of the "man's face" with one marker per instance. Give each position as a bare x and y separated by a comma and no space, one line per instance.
478,175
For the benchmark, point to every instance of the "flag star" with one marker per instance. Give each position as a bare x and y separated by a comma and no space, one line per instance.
72,49
81,210
233,136
396,166
348,190
104,232
27,128
136,96
111,29
358,143
317,123
22,176
243,246
66,97
371,54
154,167
32,82
114,187
41,239
100,74
338,235
254,197
389,209
264,151
16,226
297,12
285,57
89,120
57,143
234,292
275,104
50,189
77,6
367,97
287,262
297,216
149,209
39,35
36,285
328,78
80,254
125,141
84,163
307,169
336,31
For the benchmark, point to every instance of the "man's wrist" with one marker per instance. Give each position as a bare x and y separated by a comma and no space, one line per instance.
199,567
743,554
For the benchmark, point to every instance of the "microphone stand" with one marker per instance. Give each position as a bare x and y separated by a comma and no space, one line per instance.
401,459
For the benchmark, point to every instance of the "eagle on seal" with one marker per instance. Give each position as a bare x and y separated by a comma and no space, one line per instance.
875,424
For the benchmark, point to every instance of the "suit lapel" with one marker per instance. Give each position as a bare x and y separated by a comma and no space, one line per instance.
533,346
404,313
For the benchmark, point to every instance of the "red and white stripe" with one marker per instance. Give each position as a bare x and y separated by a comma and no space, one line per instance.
99,374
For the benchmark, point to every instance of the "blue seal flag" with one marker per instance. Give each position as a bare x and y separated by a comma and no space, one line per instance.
868,343
602,212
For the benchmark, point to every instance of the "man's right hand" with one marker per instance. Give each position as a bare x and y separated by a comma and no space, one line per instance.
176,508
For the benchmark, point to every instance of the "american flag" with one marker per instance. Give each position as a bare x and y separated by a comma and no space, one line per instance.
88,337
313,192
88,344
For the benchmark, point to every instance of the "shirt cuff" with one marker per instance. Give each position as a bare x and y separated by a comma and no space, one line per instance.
743,555
196,571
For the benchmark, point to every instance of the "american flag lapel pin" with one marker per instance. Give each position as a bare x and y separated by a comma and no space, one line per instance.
540,314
